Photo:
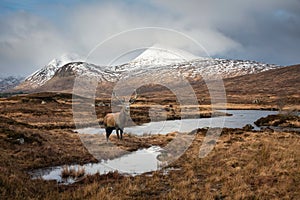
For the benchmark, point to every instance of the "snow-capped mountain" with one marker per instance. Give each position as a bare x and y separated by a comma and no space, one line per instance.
41,76
7,83
84,69
158,57
208,67
152,59
64,78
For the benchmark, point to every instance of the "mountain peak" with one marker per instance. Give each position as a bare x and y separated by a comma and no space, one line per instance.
41,76
164,55
64,59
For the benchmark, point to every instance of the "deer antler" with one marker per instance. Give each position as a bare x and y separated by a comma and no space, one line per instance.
132,100
120,100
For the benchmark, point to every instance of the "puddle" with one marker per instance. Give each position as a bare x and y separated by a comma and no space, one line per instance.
135,163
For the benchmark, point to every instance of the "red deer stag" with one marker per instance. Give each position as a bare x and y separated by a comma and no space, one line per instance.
117,121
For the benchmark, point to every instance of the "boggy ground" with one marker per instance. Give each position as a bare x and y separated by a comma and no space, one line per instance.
36,132
280,120
243,165
30,148
55,110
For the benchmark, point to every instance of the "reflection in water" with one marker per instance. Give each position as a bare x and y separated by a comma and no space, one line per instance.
138,162
145,160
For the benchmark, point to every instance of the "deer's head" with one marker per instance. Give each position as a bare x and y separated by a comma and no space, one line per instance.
126,104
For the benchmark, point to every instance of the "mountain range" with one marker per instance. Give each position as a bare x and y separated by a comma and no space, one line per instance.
59,74
7,83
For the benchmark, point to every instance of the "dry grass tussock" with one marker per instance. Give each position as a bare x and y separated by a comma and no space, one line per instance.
243,165
72,172
282,120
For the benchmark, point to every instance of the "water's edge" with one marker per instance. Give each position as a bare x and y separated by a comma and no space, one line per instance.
145,160
238,119
134,163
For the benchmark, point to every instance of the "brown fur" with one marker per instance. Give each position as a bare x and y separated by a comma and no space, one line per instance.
115,121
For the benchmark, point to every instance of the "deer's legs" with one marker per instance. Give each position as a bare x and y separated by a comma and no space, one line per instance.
108,132
117,131
120,136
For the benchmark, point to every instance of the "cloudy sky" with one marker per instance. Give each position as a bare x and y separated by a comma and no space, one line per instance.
33,32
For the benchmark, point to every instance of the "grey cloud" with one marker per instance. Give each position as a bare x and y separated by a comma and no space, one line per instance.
259,30
91,24
27,42
265,30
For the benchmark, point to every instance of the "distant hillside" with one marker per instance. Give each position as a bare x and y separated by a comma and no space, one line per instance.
275,88
10,82
273,85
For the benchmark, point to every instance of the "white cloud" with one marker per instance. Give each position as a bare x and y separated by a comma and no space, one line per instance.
91,24
240,28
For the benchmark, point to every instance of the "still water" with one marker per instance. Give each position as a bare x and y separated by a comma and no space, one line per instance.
145,160
238,119
138,162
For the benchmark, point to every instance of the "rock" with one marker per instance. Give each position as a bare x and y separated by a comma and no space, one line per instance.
248,127
21,140
267,129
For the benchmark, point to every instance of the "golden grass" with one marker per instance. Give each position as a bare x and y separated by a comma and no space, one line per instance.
243,164
251,165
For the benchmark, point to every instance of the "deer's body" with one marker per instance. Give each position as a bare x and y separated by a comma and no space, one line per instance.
115,121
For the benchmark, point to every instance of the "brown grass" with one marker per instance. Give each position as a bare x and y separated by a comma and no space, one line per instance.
282,120
251,165
72,172
243,164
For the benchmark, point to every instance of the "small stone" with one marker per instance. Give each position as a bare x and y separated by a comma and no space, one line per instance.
21,140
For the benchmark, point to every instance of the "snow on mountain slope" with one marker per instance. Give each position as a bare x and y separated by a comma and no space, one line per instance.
41,76
7,83
84,69
153,59
78,74
170,60
223,67
162,55
158,56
